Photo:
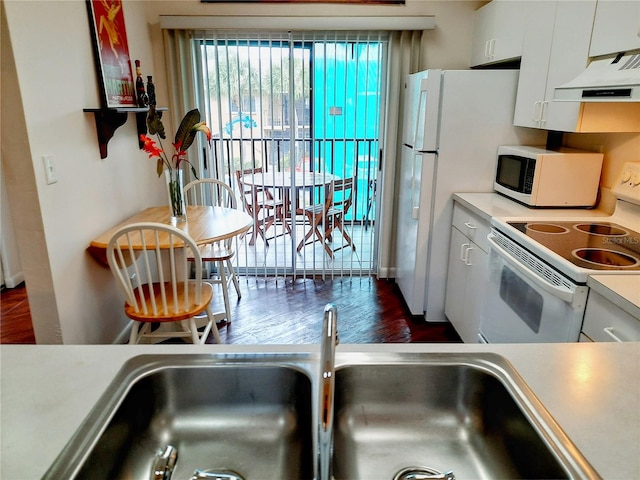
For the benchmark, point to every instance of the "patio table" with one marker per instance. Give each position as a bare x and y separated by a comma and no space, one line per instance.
288,181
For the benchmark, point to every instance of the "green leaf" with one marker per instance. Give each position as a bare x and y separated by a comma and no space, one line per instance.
159,167
185,134
154,123
193,171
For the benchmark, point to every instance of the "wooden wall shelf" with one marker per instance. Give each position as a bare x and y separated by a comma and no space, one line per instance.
108,120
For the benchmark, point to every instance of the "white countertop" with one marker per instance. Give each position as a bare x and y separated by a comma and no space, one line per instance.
591,390
622,290
489,205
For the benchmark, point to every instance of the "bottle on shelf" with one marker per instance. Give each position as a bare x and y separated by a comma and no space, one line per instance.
141,94
151,90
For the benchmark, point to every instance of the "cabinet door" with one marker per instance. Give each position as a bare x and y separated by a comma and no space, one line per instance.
536,51
555,50
456,280
483,27
497,32
616,27
569,57
606,322
475,293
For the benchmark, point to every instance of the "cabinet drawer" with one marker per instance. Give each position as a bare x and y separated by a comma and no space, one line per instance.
472,225
606,322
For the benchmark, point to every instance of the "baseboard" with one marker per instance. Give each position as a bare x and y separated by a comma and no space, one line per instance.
385,272
124,335
14,280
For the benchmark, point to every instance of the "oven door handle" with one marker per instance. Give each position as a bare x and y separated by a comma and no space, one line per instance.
560,292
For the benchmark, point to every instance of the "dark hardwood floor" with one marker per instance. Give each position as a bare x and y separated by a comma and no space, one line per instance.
286,311
15,316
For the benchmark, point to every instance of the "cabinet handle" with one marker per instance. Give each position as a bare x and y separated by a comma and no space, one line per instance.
536,111
492,48
543,111
486,48
464,249
470,225
466,254
609,331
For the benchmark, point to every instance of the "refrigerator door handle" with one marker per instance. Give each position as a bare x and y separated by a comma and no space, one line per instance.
418,135
415,206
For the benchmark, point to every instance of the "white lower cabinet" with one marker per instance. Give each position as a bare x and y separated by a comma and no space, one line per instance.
606,322
468,273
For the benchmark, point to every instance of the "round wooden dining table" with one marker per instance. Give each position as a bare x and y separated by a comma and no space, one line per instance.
204,224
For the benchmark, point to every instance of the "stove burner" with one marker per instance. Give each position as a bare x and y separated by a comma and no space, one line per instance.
601,256
604,229
546,228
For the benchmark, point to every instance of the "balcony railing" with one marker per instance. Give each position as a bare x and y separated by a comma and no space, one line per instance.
342,157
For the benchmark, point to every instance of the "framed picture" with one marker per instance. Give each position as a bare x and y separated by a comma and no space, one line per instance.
393,2
111,53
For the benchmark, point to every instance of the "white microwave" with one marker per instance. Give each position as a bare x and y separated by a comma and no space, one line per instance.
538,177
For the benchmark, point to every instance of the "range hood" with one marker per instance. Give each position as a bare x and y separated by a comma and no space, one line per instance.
606,79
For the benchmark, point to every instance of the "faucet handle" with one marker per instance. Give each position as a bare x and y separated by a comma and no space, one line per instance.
164,463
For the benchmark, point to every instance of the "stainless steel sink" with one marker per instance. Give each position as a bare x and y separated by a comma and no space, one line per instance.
469,414
247,415
257,415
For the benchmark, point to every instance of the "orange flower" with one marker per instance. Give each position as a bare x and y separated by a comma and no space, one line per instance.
185,135
150,147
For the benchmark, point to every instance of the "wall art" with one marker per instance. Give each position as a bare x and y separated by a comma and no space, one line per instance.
370,2
111,50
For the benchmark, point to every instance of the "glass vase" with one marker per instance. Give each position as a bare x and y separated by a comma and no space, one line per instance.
175,189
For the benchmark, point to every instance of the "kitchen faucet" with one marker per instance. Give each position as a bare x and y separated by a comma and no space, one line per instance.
328,344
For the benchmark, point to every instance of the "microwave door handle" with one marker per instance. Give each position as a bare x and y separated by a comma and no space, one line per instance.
560,292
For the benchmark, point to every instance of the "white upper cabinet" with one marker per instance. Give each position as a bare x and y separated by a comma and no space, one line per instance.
497,32
616,27
555,50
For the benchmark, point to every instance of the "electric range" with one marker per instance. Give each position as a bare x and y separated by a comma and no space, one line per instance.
537,289
578,248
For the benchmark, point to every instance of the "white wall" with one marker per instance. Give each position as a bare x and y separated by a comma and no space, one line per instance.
11,274
48,77
72,298
618,148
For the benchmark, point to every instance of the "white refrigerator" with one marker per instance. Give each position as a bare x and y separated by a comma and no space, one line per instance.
453,123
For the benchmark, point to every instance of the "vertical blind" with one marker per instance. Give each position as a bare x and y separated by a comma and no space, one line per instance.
398,53
293,103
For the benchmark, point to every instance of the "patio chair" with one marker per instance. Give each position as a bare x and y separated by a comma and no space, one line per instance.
260,203
323,218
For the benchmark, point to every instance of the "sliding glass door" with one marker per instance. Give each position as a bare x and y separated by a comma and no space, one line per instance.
301,110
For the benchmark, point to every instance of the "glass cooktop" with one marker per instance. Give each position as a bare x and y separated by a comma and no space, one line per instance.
595,246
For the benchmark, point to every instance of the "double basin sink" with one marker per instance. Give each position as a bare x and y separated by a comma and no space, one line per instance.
255,416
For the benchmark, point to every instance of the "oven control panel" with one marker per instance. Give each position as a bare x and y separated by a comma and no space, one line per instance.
627,186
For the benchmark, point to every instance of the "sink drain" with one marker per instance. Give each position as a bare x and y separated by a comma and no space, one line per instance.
216,474
423,473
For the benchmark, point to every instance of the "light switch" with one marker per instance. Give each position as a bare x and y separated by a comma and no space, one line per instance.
49,169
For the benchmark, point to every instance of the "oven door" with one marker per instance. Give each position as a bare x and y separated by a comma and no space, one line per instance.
527,304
